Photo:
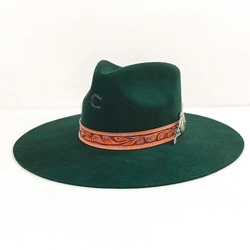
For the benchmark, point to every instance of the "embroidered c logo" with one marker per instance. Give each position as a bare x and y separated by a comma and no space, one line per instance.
92,103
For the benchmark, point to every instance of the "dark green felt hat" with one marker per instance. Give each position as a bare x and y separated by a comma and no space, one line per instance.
115,148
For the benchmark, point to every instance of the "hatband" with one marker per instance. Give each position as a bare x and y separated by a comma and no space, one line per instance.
133,140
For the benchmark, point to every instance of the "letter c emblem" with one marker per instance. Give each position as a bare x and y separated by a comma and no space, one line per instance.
92,103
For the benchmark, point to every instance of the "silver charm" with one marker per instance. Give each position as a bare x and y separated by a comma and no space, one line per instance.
182,122
181,126
175,139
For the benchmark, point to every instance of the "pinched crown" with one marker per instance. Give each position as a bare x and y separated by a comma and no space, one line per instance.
134,98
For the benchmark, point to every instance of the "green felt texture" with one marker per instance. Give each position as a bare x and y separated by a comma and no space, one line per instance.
54,151
134,98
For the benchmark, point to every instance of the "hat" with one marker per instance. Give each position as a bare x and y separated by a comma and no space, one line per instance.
132,133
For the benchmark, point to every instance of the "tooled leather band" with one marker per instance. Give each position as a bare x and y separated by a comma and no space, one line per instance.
129,141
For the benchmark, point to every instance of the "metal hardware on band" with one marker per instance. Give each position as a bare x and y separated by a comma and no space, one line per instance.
133,140
181,126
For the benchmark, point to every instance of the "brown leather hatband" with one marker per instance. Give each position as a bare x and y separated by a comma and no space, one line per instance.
129,141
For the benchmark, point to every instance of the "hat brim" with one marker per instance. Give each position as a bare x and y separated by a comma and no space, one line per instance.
54,151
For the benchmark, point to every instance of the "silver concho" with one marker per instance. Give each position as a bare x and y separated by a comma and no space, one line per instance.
181,125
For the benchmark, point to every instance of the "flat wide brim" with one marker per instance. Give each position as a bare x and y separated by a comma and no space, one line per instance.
54,151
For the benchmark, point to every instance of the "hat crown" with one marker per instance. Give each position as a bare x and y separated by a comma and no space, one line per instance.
134,98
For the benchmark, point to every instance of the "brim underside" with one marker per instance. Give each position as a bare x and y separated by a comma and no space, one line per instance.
54,151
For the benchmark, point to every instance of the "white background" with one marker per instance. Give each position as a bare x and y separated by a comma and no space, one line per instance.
48,52
49,48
